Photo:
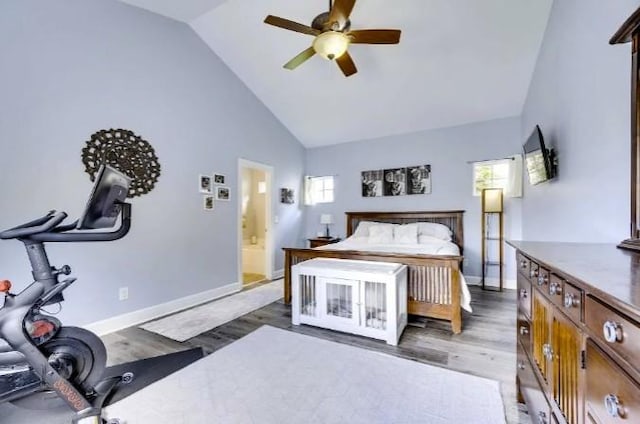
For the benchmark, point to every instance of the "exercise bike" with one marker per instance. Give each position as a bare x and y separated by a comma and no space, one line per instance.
44,364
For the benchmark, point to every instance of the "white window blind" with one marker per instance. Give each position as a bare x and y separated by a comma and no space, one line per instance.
318,190
504,173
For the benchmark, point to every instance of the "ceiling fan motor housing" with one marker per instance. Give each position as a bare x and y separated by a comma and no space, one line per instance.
320,22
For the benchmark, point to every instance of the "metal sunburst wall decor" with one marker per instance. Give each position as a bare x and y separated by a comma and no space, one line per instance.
126,152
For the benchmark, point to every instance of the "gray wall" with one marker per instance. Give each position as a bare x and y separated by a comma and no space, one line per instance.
447,150
579,96
72,67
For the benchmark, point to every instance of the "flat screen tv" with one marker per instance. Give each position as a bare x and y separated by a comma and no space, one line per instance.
109,191
538,159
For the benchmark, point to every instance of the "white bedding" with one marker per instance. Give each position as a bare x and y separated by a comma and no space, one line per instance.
431,248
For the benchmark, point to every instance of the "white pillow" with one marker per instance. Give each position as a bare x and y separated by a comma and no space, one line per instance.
363,228
405,234
381,234
434,230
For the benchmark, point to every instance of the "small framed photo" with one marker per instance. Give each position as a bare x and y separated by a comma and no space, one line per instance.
223,193
286,196
207,203
372,183
205,184
219,179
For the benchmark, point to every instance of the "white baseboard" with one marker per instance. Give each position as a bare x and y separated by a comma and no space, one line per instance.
130,319
473,280
277,274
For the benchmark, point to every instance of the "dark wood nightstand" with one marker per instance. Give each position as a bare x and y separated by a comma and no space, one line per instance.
321,241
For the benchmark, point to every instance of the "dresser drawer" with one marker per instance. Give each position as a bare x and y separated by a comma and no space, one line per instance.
534,270
611,396
539,277
612,329
524,296
554,289
523,264
531,391
524,333
572,301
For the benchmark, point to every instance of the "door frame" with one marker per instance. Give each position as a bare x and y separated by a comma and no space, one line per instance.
268,225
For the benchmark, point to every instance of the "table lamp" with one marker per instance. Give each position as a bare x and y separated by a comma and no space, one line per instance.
326,219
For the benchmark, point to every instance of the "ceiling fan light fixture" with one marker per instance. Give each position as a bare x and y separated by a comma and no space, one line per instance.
331,44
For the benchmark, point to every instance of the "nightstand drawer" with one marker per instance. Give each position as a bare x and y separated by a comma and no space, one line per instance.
320,241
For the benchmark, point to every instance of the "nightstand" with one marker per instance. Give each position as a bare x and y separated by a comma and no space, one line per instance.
321,241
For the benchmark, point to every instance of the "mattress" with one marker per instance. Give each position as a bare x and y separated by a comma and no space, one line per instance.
443,248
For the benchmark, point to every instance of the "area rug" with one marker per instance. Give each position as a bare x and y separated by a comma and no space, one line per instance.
191,322
277,376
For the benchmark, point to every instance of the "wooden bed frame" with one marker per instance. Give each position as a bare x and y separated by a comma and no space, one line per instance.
433,280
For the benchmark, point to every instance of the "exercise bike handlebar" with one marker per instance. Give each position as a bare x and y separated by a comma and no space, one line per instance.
41,225
125,226
46,229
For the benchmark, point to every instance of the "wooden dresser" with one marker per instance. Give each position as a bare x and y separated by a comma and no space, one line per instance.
578,332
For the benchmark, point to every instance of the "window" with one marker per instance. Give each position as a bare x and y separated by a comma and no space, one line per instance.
318,190
505,174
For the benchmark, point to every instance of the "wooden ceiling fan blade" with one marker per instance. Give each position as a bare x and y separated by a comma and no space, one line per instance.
300,59
346,64
375,36
290,25
341,10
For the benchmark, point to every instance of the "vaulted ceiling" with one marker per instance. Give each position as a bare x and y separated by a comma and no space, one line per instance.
458,61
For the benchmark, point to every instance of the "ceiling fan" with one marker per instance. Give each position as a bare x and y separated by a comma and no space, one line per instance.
332,32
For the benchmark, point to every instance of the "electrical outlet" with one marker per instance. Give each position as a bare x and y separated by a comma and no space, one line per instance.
123,293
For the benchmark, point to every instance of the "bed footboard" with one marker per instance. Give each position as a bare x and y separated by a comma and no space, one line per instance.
433,281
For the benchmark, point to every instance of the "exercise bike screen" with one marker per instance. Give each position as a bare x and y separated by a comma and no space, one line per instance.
109,191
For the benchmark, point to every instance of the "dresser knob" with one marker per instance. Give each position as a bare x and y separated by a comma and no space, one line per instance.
523,293
534,274
524,330
613,406
547,351
571,300
612,332
542,280
520,365
554,288
542,418
523,264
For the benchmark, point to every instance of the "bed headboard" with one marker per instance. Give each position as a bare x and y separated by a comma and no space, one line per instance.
452,219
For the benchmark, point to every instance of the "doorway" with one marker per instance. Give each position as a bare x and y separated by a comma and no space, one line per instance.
255,255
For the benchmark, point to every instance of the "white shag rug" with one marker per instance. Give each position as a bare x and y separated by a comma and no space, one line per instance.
274,376
189,323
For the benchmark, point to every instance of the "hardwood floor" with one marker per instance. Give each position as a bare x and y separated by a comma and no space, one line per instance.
486,347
